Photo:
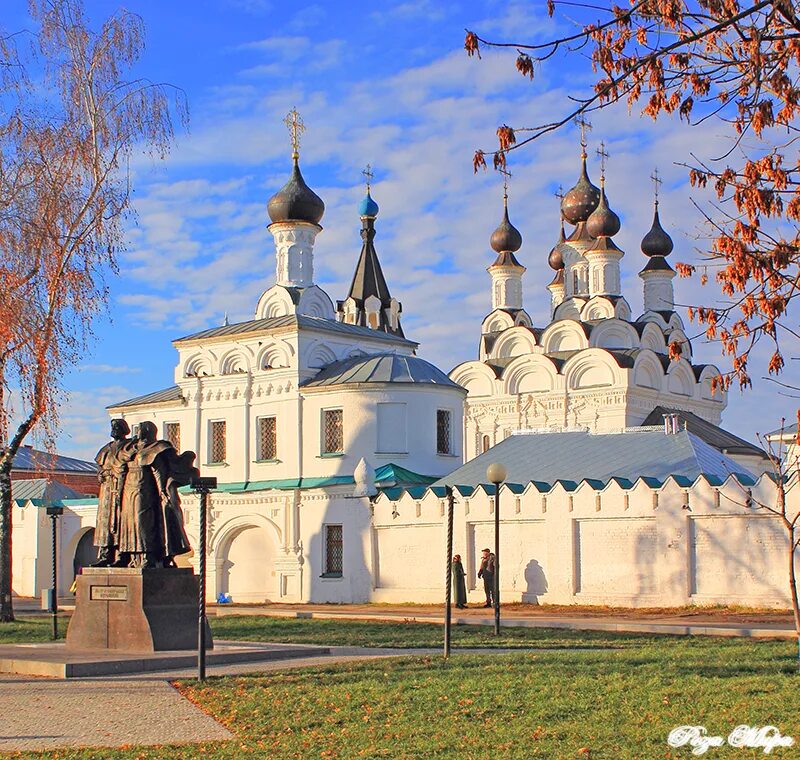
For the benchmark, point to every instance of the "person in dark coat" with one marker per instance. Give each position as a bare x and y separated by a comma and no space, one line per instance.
487,573
459,584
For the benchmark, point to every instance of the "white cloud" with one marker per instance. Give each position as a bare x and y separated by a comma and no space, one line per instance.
111,369
201,248
84,420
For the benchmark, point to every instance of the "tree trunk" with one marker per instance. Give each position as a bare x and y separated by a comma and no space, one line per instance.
6,607
793,588
6,459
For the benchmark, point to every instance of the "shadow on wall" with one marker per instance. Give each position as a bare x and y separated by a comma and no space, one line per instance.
535,582
338,566
338,569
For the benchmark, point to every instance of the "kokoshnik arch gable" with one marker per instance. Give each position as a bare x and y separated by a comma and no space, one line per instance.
333,442
593,366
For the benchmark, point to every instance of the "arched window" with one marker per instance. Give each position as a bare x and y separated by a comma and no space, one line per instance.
575,282
485,444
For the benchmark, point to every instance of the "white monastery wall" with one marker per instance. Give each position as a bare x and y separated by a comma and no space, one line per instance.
641,546
32,539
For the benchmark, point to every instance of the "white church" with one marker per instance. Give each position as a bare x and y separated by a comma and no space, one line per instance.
334,445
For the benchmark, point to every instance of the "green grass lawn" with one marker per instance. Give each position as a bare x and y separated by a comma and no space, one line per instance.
31,628
404,634
616,700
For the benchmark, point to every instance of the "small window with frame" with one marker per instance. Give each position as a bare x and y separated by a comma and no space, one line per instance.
267,439
172,433
444,431
332,432
217,449
334,552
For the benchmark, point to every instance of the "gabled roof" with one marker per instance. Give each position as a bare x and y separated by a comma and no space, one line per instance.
392,475
256,326
388,476
713,435
550,457
173,393
34,460
41,490
380,368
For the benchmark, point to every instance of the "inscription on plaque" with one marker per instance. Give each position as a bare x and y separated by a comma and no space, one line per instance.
109,593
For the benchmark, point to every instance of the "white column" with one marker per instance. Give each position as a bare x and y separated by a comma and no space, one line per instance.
294,253
658,292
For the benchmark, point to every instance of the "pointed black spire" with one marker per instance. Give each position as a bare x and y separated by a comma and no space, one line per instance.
657,242
368,280
506,238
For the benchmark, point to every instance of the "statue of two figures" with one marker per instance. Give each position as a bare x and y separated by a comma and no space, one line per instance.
139,517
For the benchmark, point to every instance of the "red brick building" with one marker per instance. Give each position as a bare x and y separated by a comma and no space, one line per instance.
81,476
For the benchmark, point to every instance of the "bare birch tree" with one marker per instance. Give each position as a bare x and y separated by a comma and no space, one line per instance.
71,115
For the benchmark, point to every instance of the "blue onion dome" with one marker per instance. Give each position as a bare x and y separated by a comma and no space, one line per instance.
506,238
296,201
657,242
556,257
578,203
603,222
368,207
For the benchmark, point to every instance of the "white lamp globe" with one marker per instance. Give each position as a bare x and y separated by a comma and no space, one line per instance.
495,473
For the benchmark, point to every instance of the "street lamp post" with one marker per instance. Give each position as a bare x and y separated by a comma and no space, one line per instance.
496,473
448,573
54,512
202,486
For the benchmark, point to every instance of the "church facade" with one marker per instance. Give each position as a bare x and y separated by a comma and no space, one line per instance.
337,449
301,413
595,365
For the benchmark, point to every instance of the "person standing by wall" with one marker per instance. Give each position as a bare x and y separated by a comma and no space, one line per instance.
459,584
486,572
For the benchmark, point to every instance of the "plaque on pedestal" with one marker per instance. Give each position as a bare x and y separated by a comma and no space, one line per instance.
135,610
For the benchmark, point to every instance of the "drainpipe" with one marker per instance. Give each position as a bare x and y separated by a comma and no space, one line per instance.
246,426
198,421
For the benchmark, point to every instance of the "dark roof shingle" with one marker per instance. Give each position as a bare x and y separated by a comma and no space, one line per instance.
380,368
294,320
34,460
713,435
173,393
549,457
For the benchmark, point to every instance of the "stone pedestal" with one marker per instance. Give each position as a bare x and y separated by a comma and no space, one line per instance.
135,610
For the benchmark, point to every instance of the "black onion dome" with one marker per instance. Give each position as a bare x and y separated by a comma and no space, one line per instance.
556,258
296,201
578,203
506,238
603,222
657,242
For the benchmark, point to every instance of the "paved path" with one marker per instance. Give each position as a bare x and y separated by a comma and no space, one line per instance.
42,714
45,714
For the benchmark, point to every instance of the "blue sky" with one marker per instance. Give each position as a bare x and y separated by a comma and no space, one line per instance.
382,83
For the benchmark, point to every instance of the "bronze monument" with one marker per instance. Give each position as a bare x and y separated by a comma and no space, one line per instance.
134,597
139,517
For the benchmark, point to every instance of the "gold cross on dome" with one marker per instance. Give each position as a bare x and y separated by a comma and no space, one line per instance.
367,172
296,127
559,193
604,156
584,125
506,174
656,182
